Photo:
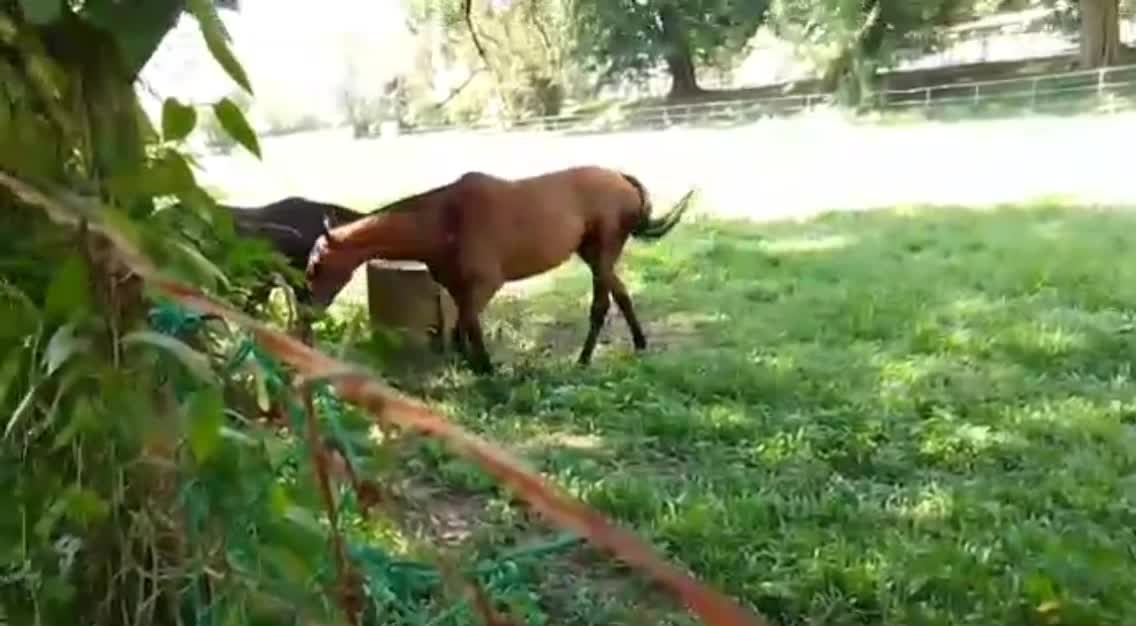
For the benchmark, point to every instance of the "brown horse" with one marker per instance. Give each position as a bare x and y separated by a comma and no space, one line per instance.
479,232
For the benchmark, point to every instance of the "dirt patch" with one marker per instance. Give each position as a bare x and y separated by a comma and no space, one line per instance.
439,516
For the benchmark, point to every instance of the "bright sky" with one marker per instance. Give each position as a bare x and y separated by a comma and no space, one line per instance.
293,50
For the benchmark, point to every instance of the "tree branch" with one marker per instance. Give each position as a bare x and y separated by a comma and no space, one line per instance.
468,10
459,88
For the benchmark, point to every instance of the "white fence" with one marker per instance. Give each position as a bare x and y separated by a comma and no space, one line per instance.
1106,90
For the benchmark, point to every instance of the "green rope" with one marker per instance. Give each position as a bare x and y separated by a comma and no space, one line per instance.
392,584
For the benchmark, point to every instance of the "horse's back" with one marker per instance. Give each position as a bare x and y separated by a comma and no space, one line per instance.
297,222
530,225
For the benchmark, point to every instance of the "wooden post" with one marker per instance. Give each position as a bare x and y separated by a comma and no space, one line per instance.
402,295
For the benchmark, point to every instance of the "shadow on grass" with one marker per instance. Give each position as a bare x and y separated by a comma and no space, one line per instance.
919,416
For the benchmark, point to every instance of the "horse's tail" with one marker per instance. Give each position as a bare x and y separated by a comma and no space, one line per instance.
655,228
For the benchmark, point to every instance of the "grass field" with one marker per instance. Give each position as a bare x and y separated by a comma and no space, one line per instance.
905,416
900,416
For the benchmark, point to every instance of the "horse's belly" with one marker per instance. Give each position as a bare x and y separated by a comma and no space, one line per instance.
518,267
535,257
536,241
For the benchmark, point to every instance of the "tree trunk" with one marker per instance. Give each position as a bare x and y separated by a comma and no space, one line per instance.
1100,33
854,70
680,60
85,131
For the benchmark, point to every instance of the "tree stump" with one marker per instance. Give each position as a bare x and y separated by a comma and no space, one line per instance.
402,296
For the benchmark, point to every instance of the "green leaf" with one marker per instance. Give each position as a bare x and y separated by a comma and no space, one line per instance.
217,41
203,264
172,173
278,500
178,119
40,12
64,343
47,521
167,174
194,361
206,417
82,418
9,371
86,506
22,409
235,124
137,25
68,295
18,314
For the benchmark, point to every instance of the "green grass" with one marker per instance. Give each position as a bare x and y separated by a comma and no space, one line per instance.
922,416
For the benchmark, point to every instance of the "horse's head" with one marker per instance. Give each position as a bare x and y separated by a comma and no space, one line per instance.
329,267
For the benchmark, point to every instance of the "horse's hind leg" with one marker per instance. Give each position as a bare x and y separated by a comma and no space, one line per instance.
606,286
600,260
623,301
601,302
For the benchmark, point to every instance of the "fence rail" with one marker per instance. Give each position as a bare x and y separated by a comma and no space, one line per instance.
1105,90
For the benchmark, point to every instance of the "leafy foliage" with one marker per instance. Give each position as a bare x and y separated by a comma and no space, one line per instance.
622,38
849,39
526,68
217,41
178,120
234,123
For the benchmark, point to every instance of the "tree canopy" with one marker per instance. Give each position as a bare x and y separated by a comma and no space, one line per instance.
625,38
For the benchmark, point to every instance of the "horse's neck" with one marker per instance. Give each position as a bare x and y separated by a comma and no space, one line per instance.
394,236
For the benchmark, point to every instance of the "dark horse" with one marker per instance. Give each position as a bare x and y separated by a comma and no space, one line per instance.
480,231
291,226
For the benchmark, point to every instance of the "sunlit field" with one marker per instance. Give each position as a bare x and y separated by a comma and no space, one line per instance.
772,169
917,414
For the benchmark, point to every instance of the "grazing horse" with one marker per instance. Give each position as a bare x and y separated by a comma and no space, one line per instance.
290,226
479,232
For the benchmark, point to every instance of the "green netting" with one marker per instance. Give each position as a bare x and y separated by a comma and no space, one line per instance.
395,587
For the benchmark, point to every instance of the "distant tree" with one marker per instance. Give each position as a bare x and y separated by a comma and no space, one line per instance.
518,46
629,37
851,39
1100,32
1096,23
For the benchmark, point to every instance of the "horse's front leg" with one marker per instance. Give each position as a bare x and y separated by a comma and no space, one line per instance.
477,356
471,297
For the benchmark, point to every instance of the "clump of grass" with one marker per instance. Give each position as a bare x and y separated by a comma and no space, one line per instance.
917,416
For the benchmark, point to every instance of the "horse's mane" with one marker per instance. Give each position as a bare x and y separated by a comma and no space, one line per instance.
402,205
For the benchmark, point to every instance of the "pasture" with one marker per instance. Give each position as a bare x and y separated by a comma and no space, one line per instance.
889,377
